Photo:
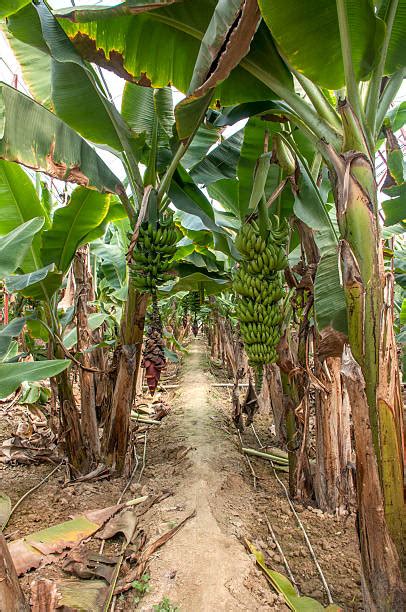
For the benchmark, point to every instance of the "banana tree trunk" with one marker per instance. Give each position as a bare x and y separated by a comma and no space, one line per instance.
70,429
334,487
84,341
370,335
382,585
370,331
116,435
11,595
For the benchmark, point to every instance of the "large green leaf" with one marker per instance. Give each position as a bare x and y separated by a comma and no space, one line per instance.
8,7
15,244
76,97
307,34
8,332
35,67
395,208
160,46
192,277
43,142
71,224
226,191
37,284
395,58
205,137
220,163
19,203
149,113
13,374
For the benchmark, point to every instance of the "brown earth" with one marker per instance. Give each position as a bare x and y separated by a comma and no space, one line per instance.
195,453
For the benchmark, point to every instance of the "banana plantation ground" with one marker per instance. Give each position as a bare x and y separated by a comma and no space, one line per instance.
194,455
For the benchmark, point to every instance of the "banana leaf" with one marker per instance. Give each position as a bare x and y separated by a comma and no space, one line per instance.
71,225
307,35
13,374
284,587
77,96
167,41
43,142
15,244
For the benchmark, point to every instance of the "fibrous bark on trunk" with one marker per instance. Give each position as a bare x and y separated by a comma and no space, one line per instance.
333,483
383,587
84,341
115,435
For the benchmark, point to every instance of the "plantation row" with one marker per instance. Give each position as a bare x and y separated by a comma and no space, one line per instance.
272,238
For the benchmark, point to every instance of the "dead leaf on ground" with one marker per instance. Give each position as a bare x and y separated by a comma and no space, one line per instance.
87,596
88,565
139,570
41,547
125,523
36,448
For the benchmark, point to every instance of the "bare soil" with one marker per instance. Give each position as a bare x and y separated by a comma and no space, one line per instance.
195,453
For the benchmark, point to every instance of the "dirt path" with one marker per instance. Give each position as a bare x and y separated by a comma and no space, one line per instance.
210,565
194,453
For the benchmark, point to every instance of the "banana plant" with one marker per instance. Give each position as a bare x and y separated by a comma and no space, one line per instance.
363,43
143,132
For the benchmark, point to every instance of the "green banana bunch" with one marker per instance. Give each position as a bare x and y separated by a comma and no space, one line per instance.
258,281
153,254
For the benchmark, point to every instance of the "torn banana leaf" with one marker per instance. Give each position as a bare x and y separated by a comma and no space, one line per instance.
41,547
284,587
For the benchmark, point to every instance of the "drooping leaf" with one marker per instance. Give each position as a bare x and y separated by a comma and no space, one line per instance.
123,44
8,332
13,374
329,300
76,96
225,43
43,142
307,34
85,211
395,208
220,163
15,244
19,203
285,588
113,263
36,284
